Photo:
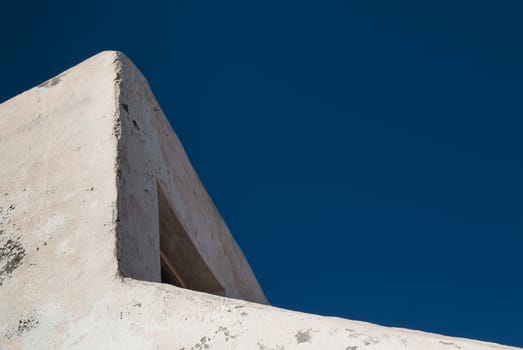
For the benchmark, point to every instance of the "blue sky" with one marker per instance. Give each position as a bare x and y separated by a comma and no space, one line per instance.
365,154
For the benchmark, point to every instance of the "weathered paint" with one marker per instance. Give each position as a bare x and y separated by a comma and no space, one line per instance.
82,157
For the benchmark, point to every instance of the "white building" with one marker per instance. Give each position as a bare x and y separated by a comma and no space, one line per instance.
108,239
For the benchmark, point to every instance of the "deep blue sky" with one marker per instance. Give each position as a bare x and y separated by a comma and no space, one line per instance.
367,155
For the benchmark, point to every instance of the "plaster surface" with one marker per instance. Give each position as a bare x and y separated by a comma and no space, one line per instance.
83,158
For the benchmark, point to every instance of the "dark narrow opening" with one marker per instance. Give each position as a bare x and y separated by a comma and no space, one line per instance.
168,275
182,264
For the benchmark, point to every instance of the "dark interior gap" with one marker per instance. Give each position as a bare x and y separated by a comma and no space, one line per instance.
182,264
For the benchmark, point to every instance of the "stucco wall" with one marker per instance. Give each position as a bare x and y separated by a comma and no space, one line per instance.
149,152
79,256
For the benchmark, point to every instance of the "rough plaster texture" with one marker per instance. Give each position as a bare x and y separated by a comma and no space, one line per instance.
82,157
